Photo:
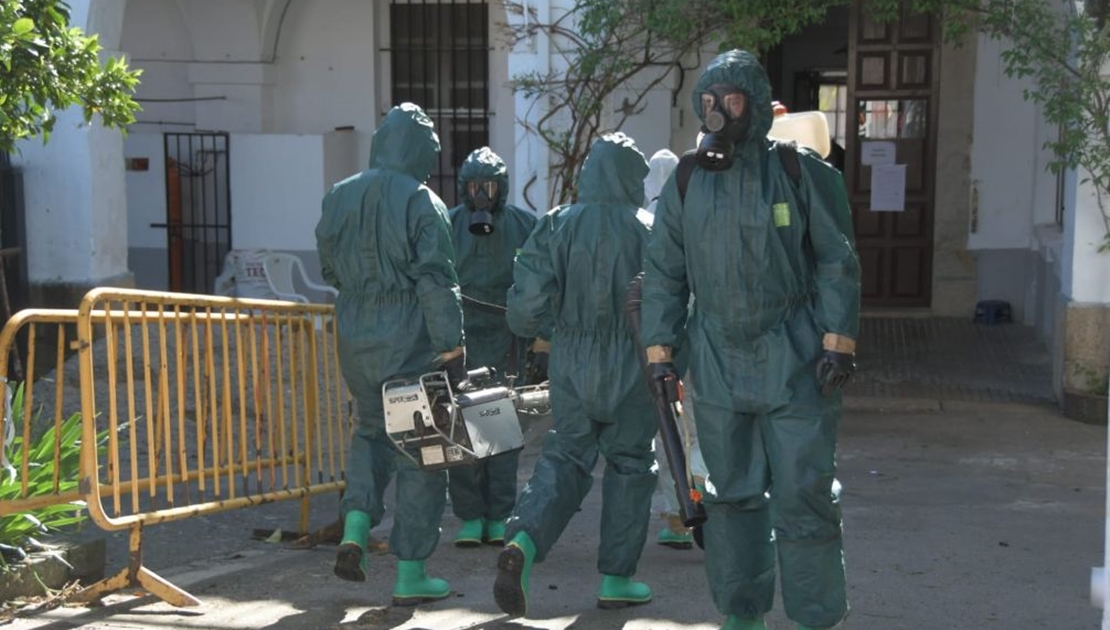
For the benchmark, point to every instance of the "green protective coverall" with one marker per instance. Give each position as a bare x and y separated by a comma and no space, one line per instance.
570,283
773,267
485,267
385,242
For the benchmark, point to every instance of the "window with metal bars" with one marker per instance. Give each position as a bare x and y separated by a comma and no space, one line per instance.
440,61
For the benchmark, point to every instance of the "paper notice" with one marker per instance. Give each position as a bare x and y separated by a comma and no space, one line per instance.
888,188
877,152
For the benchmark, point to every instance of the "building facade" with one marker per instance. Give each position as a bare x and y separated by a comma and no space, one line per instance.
253,108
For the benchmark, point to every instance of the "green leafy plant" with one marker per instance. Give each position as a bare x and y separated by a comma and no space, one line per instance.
45,65
16,528
610,49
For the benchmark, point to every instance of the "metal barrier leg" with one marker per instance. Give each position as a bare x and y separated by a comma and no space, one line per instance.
136,576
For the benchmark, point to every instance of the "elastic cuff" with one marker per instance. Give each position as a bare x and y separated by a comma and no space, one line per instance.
659,354
839,343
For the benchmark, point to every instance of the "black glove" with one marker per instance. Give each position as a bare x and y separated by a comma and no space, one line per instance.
664,378
537,367
833,370
457,377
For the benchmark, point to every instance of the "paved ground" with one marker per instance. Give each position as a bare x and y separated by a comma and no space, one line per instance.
946,358
957,514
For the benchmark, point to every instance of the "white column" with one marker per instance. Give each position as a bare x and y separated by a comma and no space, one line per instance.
529,171
1086,270
1086,279
74,188
1100,576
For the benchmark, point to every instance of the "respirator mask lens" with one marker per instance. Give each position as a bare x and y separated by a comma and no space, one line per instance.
483,193
723,108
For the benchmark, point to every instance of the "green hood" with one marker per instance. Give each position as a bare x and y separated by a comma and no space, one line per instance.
405,142
742,69
614,172
483,163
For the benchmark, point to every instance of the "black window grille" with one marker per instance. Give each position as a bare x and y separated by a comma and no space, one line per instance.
440,61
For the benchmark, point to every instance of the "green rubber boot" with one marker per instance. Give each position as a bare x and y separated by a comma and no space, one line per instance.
514,564
618,591
351,562
415,587
495,533
735,623
470,534
668,538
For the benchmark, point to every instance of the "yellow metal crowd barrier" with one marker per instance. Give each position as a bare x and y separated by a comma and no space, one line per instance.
49,395
207,404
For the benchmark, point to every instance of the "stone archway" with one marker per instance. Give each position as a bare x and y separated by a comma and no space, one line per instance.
272,19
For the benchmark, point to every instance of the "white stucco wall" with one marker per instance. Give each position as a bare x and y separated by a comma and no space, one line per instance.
146,190
233,97
322,68
157,42
74,192
58,221
295,72
1008,170
223,31
341,158
1086,270
325,75
643,126
275,204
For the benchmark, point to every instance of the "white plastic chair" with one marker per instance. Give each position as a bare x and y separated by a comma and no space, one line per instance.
244,275
280,269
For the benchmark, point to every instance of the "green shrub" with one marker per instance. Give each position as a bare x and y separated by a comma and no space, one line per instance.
16,528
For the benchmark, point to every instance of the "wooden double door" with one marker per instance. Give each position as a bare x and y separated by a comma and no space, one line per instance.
893,92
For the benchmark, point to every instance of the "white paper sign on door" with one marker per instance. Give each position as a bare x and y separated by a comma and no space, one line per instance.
888,188
877,152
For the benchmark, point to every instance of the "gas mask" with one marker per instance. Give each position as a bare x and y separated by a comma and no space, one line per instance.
727,118
483,199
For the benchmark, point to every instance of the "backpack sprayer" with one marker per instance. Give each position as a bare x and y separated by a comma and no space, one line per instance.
439,428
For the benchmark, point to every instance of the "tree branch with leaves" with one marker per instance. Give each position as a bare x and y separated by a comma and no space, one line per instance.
47,66
631,46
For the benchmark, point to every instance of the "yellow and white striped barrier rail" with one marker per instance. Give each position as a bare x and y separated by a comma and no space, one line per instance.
209,404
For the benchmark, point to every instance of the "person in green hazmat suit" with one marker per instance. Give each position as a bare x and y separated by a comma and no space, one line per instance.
769,256
570,281
384,241
487,232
